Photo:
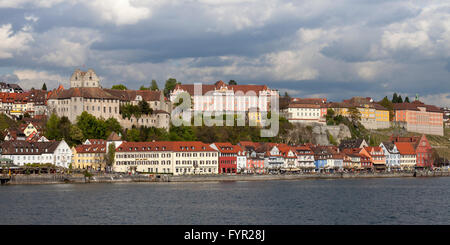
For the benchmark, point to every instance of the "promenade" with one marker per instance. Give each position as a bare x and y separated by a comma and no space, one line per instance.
122,178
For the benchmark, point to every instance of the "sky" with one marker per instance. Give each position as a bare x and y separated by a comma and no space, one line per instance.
333,49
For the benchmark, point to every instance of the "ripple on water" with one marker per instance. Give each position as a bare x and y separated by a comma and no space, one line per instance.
353,201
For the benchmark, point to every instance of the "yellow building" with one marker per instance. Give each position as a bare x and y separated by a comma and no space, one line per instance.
254,117
373,115
89,157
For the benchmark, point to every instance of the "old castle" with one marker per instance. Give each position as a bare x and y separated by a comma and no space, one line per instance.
86,94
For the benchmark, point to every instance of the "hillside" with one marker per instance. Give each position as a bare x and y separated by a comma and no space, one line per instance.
440,143
6,122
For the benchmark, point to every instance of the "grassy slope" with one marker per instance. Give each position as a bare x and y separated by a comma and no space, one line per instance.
440,143
6,122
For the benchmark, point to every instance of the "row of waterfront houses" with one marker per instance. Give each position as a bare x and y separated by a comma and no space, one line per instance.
193,157
400,153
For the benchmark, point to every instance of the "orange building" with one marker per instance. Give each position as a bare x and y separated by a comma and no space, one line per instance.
420,118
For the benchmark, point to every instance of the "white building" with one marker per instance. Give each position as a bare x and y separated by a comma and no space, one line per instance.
241,159
392,155
226,98
166,157
57,153
308,110
408,157
305,158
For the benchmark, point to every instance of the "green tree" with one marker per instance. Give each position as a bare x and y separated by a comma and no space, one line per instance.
144,107
330,116
395,98
133,135
400,100
64,126
44,87
169,86
91,127
119,87
143,88
112,125
52,128
285,101
182,133
110,155
354,114
232,82
407,99
154,86
76,135
386,103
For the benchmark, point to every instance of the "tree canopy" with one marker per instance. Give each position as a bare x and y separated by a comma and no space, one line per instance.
169,86
119,87
154,86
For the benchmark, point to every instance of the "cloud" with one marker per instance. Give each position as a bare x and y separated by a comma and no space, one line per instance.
23,3
440,99
11,43
119,12
31,78
335,49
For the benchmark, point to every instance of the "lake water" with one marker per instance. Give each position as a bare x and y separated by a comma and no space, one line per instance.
304,202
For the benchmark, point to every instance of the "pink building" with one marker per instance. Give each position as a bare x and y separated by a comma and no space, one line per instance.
420,118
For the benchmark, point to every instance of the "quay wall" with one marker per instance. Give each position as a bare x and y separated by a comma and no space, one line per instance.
119,178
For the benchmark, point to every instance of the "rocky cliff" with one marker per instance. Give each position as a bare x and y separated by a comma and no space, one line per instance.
317,134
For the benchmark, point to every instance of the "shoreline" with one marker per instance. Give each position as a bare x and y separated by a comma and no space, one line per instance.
120,178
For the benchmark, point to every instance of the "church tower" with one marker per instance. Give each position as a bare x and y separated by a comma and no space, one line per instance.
84,79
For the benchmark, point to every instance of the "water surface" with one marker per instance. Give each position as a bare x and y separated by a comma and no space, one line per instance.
304,202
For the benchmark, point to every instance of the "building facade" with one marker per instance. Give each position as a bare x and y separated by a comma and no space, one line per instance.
224,98
23,152
420,118
308,110
166,157
392,155
228,155
87,95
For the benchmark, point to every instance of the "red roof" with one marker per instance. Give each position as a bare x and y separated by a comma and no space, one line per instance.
216,86
95,148
177,146
414,106
227,148
405,148
373,148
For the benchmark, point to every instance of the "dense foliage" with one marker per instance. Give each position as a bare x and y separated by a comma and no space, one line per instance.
86,127
129,110
207,134
119,87
169,86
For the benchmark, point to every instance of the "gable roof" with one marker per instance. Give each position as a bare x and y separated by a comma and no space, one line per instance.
190,88
405,148
414,106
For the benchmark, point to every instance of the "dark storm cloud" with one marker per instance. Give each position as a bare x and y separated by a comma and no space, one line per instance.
354,47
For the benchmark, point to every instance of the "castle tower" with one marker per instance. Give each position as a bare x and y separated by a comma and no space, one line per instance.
84,79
